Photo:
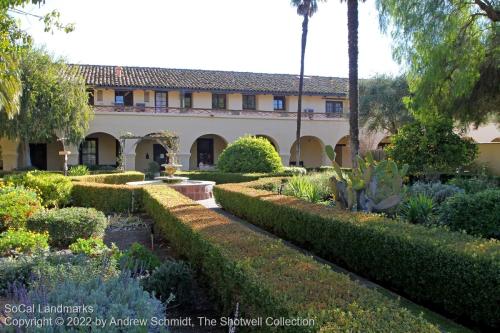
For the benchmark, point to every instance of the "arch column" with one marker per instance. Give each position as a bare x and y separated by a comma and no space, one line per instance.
74,157
183,159
129,154
285,159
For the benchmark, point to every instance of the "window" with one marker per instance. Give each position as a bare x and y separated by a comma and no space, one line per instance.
88,152
99,95
146,97
334,107
279,102
124,97
249,102
187,100
90,93
218,101
161,99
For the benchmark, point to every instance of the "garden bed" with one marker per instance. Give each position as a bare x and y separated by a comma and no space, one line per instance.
450,271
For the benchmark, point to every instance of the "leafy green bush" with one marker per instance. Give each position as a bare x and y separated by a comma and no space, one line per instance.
473,184
16,205
477,214
22,241
172,277
418,209
78,170
117,297
112,178
91,247
152,170
66,225
430,265
267,277
53,189
294,171
250,154
138,258
15,270
436,191
108,198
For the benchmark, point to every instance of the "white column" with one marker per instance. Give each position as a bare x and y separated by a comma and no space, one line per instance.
74,157
285,159
183,159
129,154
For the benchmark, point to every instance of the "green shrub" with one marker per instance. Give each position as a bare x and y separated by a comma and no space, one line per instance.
294,171
78,170
474,184
16,205
107,198
152,170
15,270
301,187
91,247
66,225
138,258
22,241
53,189
477,214
268,278
429,265
172,277
112,178
418,209
436,191
250,154
118,297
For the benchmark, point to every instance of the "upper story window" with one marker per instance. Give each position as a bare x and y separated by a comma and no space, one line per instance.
279,102
99,96
187,100
161,99
90,93
249,102
218,101
124,97
336,107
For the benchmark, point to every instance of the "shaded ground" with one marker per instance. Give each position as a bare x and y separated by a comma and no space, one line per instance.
141,233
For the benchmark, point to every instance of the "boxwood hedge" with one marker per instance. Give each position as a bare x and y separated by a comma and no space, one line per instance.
106,197
112,178
452,271
269,279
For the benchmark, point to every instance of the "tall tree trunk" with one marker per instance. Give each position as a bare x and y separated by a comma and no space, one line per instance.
352,25
305,24
23,151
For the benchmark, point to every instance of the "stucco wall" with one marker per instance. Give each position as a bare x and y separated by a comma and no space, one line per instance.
202,100
54,160
489,155
311,152
219,146
106,148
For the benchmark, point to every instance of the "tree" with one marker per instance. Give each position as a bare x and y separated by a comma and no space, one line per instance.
431,148
54,101
306,9
13,42
381,103
352,26
452,51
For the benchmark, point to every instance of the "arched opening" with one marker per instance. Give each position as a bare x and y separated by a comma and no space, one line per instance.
271,140
205,151
384,142
99,151
311,152
343,152
496,140
44,155
147,150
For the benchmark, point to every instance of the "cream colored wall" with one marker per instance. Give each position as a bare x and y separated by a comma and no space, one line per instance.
219,146
202,100
106,148
55,162
108,97
485,133
265,102
9,154
174,99
489,155
144,147
235,101
317,103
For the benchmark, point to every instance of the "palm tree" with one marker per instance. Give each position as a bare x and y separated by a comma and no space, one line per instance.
10,86
352,26
306,9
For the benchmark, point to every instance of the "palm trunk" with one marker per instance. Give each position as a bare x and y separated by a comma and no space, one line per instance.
305,24
24,160
352,25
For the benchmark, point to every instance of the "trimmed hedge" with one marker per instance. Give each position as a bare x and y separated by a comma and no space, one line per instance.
269,279
112,178
228,177
106,197
452,271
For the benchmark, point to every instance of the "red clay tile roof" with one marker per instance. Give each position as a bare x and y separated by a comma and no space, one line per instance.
207,80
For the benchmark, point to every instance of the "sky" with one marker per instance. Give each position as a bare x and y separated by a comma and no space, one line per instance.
237,35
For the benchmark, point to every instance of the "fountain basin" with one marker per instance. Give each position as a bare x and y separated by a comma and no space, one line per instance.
193,189
172,179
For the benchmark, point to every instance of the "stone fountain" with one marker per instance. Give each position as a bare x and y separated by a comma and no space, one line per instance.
170,169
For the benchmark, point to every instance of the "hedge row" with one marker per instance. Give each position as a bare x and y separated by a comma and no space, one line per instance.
269,279
453,271
106,197
111,178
